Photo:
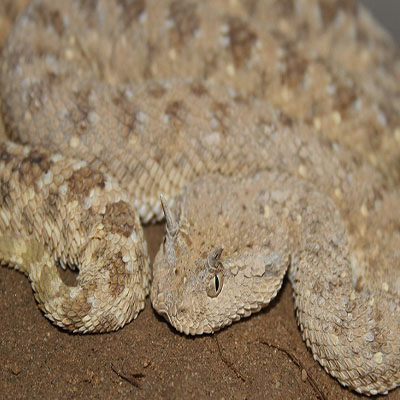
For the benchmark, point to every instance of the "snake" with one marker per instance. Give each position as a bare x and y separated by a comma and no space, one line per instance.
265,132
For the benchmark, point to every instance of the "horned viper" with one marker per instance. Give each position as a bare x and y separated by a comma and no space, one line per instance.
271,128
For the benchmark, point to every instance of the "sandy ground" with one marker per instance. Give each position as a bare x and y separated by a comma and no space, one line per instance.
261,357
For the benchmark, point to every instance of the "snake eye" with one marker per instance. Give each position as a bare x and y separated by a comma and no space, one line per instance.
215,285
216,281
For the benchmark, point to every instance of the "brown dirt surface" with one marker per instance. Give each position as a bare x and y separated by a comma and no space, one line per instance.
260,357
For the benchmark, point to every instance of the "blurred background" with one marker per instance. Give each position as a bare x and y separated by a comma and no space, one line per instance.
388,12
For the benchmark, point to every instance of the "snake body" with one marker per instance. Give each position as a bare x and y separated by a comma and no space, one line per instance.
271,129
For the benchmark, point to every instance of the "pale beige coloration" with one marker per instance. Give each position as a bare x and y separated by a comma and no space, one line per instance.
271,127
9,10
58,210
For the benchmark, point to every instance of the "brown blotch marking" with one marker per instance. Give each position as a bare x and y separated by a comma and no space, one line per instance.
89,5
186,22
242,39
359,286
362,36
151,54
176,111
131,11
27,222
157,90
350,306
330,9
79,114
296,66
126,114
285,119
53,78
48,17
375,138
88,8
119,218
118,272
79,304
394,167
391,114
263,82
394,226
5,156
317,287
243,100
11,9
107,321
38,158
220,113
5,198
57,22
251,6
14,57
50,205
32,166
82,181
344,98
376,195
198,89
286,7
141,260
210,64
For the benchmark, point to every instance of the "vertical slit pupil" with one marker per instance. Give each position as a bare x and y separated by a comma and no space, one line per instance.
216,283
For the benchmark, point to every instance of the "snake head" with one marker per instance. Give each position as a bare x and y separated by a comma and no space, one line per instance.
201,284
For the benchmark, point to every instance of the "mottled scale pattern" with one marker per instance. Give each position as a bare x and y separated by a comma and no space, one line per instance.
58,212
271,128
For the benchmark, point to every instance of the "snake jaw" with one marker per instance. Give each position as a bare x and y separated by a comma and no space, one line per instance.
201,287
204,294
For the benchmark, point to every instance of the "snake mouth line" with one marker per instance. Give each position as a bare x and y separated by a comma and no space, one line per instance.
163,311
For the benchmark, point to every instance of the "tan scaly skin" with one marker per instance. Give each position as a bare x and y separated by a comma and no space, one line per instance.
272,129
349,315
58,210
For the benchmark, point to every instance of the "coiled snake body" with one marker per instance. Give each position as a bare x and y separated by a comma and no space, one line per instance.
255,121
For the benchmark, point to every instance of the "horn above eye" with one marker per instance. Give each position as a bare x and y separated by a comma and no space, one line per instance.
214,256
172,226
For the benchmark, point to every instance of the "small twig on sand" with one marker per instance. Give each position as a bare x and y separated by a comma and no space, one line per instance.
227,362
130,378
298,363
